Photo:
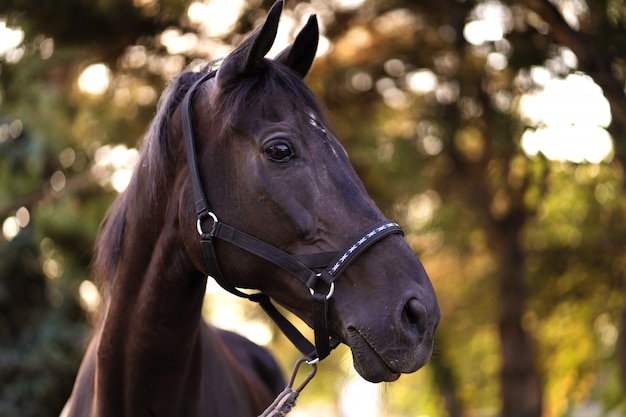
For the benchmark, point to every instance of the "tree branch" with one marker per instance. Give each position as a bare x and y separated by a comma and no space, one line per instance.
45,194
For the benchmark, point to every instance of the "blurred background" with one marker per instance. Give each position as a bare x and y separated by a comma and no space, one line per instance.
493,131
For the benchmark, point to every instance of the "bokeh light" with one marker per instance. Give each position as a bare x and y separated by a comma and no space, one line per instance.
94,79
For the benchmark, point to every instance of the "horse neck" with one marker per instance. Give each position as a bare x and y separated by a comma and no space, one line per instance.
150,334
153,265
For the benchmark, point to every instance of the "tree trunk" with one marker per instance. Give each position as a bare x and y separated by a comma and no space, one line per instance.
446,381
522,392
620,348
598,65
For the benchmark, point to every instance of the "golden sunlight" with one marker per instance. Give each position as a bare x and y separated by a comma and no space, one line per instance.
492,21
215,17
229,312
569,117
89,296
10,228
422,81
12,225
348,4
94,79
10,40
114,165
360,398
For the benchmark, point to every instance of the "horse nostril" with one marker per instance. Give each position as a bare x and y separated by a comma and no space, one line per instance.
414,313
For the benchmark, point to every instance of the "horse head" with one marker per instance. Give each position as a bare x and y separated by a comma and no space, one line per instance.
271,167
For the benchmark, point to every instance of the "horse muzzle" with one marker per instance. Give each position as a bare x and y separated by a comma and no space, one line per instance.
393,332
399,346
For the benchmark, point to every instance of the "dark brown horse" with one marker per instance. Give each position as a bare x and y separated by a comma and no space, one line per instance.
256,142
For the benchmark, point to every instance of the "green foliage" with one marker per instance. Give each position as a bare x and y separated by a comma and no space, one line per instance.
40,335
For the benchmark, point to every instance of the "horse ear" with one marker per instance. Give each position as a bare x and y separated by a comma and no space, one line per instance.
299,56
248,56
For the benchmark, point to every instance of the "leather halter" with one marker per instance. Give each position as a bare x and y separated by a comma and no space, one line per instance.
301,266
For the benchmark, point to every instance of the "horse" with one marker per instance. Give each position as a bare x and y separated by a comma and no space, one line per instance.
288,218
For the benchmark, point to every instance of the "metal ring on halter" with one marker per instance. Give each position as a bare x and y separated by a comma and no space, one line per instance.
199,223
330,292
313,361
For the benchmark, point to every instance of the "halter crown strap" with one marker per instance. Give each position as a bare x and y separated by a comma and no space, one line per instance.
200,201
301,266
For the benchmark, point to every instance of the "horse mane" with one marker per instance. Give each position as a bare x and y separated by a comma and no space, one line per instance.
156,158
159,153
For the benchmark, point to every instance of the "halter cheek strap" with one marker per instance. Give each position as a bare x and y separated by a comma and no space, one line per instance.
303,267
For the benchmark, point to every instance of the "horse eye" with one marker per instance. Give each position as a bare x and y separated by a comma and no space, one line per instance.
279,152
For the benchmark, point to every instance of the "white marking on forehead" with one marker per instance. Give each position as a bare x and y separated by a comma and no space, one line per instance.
315,123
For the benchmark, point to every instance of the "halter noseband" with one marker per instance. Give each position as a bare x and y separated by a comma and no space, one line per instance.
301,266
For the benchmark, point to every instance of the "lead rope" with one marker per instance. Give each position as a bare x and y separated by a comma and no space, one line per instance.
286,400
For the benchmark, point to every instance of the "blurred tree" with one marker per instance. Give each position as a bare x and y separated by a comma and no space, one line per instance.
527,254
474,156
40,325
470,123
51,199
598,39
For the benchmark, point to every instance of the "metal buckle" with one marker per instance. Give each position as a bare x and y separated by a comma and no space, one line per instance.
199,223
